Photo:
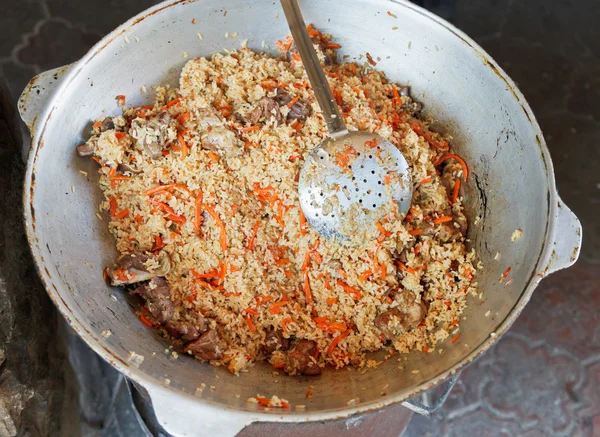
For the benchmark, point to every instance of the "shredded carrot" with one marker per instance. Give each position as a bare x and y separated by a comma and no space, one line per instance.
276,307
158,243
220,224
184,147
171,215
198,212
461,161
105,274
250,128
306,287
212,274
174,102
302,223
113,206
97,125
415,232
331,300
183,118
455,191
263,299
349,289
332,327
333,46
396,100
120,99
383,233
442,219
505,274
284,324
419,131
337,339
252,311
426,181
145,321
292,102
404,267
308,394
417,249
248,319
192,297
165,188
250,244
120,135
456,337
365,275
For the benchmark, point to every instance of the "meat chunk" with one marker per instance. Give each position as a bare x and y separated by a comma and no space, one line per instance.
153,134
302,360
206,347
265,109
131,268
407,316
157,295
300,110
389,323
186,330
85,149
274,341
222,140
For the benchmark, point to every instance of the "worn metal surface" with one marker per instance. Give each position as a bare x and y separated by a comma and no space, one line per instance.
498,138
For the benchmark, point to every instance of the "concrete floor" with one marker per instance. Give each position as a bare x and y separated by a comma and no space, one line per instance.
543,377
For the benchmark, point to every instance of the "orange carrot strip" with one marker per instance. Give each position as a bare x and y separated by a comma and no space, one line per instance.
302,223
184,147
365,275
198,212
146,322
331,300
220,224
442,219
284,324
120,135
248,319
404,267
293,101
183,118
250,128
455,191
113,206
461,161
306,287
455,339
167,187
252,311
337,339
174,102
426,181
349,289
415,232
250,244
333,46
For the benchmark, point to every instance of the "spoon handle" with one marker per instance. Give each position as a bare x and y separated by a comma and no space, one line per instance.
316,76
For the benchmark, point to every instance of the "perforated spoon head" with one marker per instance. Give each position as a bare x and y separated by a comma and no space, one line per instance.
349,184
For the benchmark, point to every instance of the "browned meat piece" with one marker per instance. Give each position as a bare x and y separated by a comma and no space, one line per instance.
406,317
107,124
131,268
152,134
85,149
275,340
300,110
448,233
186,330
124,168
303,359
206,347
414,312
222,140
389,323
157,295
266,108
